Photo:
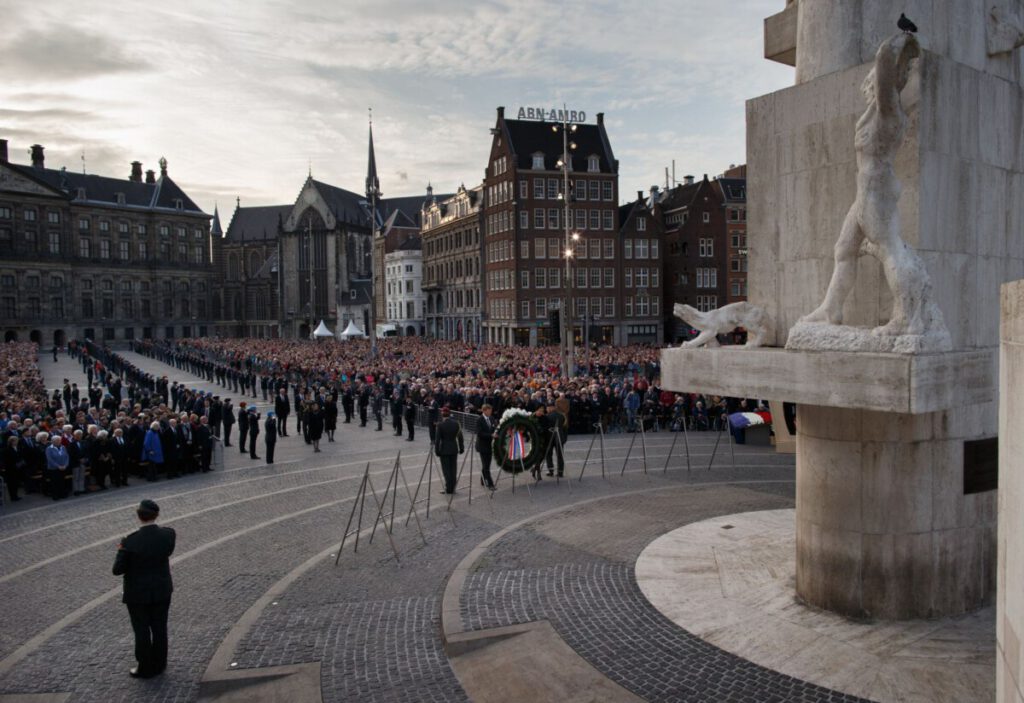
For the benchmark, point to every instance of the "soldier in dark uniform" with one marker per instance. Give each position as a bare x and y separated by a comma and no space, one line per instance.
204,440
270,439
485,427
243,426
448,445
330,408
254,430
229,420
216,415
396,414
433,417
143,558
378,408
557,431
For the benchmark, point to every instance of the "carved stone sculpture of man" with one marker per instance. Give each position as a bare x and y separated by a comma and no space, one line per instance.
872,225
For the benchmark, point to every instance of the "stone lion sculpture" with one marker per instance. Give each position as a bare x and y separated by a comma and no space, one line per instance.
724,320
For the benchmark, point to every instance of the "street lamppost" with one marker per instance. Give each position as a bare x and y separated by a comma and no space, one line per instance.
565,163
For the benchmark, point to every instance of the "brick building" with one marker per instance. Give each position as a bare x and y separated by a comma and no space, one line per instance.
99,257
524,240
452,265
732,187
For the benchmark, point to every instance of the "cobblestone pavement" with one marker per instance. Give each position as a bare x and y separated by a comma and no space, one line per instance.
372,622
575,569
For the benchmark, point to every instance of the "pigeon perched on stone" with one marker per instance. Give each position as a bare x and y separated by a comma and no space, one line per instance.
906,25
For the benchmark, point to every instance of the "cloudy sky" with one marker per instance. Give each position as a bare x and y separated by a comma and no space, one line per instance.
243,97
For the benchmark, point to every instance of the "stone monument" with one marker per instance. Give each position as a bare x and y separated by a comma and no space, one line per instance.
894,517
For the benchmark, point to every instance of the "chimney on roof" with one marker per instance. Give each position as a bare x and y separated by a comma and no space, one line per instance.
37,156
136,172
639,195
150,176
600,118
501,112
688,180
654,195
3,151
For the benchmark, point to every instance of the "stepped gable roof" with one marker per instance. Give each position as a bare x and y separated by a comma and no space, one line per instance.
250,224
529,137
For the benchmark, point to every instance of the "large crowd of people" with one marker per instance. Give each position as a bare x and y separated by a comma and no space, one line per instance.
76,440
128,422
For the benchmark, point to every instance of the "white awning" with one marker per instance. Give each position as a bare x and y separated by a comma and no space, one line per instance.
322,331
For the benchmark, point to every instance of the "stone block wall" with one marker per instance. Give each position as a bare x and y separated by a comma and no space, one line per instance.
1010,572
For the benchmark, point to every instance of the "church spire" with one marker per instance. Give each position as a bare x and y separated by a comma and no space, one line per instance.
215,228
372,183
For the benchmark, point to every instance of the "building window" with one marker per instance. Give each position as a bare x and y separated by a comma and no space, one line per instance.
606,191
524,249
609,307
539,249
640,277
552,189
524,309
30,215
538,218
30,240
142,251
554,278
595,277
654,249
104,226
553,218
182,253
595,248
593,165
122,250
641,224
595,220
706,217
609,220
581,277
641,249
609,277
628,249
538,162
104,248
554,248
595,190
87,310
53,218
83,248
628,275
524,190
5,213
198,254
629,307
541,305
165,231
123,228
54,242
707,247
524,279
540,279
140,230
5,235
524,219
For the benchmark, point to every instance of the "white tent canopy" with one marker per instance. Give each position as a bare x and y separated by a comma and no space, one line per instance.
352,331
322,331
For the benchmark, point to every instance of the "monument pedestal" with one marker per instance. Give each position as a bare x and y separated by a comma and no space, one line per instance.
884,528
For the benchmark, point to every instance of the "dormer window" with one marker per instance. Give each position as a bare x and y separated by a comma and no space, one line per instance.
81,193
352,295
120,198
594,164
538,162
177,204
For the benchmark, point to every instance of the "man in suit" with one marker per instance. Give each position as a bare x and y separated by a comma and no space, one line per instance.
271,435
485,427
119,449
282,407
204,440
410,418
143,558
448,446
243,426
229,420
557,431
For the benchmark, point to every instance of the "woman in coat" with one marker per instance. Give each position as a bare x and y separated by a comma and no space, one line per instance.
152,452
331,416
314,419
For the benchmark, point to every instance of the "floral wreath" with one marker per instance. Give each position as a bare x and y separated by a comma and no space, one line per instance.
515,421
